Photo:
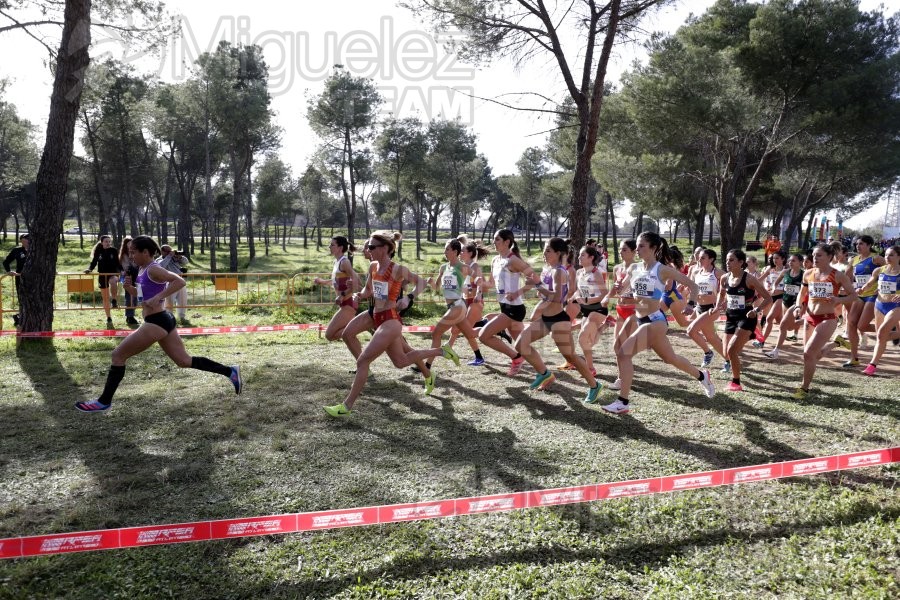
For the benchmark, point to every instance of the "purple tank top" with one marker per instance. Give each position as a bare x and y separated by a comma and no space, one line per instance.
147,288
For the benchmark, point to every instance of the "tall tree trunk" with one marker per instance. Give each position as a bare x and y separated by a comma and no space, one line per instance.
210,204
612,222
248,209
103,217
39,272
589,117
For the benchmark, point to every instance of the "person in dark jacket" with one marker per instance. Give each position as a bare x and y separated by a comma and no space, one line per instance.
105,257
17,255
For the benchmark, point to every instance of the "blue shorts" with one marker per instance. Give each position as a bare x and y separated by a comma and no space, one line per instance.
653,318
886,307
872,298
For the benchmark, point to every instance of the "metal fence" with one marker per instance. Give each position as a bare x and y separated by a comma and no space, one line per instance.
80,292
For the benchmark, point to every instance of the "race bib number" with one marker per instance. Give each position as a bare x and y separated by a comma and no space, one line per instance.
380,290
450,283
735,302
771,279
585,291
862,280
820,289
705,288
641,287
792,290
887,288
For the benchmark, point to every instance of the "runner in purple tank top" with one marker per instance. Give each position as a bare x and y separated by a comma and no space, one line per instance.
153,285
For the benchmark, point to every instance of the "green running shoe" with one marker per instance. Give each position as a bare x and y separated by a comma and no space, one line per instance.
338,410
450,354
429,384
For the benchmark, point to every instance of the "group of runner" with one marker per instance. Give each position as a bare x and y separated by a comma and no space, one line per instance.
650,281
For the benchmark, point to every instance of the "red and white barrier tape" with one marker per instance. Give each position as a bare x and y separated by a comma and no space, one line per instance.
130,537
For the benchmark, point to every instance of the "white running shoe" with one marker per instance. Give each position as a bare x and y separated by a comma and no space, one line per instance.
617,408
707,384
616,385
773,353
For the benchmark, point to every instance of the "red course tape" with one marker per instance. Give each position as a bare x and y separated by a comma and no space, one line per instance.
131,537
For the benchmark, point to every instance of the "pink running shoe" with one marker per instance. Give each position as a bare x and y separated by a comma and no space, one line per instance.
870,369
514,366
734,387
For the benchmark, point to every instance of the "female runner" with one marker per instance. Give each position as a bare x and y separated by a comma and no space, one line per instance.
818,297
345,282
703,328
791,281
887,306
507,267
773,276
553,286
451,279
473,292
625,320
151,288
737,294
861,313
589,295
649,280
383,285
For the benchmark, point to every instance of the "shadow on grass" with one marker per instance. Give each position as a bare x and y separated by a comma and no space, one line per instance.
129,480
490,454
632,557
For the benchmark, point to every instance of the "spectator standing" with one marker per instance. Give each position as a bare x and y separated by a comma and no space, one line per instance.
17,255
105,257
176,262
129,269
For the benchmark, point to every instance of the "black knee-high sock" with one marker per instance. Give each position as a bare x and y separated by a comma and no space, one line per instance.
204,364
113,379
478,354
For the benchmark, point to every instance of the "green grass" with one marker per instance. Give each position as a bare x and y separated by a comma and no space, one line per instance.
179,446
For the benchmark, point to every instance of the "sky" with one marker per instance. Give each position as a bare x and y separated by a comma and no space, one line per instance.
373,38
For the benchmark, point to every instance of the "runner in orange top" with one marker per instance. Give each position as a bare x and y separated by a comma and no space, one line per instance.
819,295
383,286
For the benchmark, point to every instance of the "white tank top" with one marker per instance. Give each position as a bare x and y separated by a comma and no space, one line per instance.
505,280
590,283
646,284
707,281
